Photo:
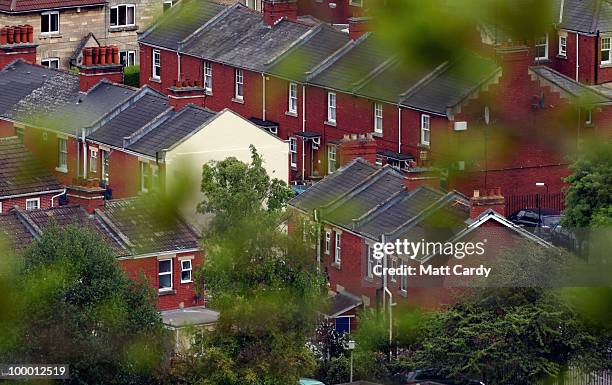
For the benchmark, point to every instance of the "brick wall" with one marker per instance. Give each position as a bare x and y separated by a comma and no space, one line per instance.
44,146
45,201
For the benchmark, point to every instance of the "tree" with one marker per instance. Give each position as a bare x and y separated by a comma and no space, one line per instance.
588,201
79,308
234,189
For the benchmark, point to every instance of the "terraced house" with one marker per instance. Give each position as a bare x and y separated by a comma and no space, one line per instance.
63,28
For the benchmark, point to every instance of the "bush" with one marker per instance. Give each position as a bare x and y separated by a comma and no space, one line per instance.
131,76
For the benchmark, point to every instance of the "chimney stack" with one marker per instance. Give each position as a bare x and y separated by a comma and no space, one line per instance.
17,43
274,10
186,92
99,63
358,26
357,146
483,200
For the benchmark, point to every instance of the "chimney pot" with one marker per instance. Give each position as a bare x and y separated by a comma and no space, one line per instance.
30,34
3,36
115,54
24,34
476,193
95,53
102,56
10,37
17,34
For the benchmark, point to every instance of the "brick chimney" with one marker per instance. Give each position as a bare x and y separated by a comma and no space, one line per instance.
17,43
186,92
357,146
358,26
483,200
100,63
87,194
273,10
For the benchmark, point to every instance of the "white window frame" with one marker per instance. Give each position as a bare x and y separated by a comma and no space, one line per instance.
184,270
93,160
239,84
337,248
129,58
293,151
539,43
166,2
292,106
208,76
160,274
425,129
0,207
403,285
608,49
378,118
369,262
356,3
62,154
48,15
393,266
156,68
589,117
327,247
154,175
116,9
105,162
145,177
563,44
332,156
49,61
331,107
32,200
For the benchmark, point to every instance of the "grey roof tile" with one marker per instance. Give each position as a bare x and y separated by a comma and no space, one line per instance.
587,16
582,93
13,233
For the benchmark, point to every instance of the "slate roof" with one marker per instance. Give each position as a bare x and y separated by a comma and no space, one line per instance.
570,87
148,229
587,16
172,131
180,22
343,302
36,5
333,186
296,62
239,37
450,84
13,232
140,110
20,171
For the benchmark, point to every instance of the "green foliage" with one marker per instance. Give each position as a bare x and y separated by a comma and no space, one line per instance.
234,189
131,76
78,307
588,201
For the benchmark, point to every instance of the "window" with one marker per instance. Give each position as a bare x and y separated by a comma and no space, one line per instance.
327,241
165,274
167,5
293,151
403,280
606,48
356,3
425,129
370,264
62,160
394,266
563,44
337,254
239,77
331,107
49,22
32,204
122,15
589,117
127,58
105,167
208,76
541,48
0,207
93,160
378,118
186,271
293,98
154,176
331,159
156,64
145,177
52,62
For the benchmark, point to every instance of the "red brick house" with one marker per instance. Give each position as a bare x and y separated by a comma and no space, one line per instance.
362,204
165,251
23,180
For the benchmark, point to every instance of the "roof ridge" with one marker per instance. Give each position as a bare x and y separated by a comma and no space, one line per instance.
426,79
28,223
296,43
148,127
375,72
369,215
212,21
333,58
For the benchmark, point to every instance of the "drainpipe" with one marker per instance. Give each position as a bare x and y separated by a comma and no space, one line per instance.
577,57
84,154
303,129
597,53
399,127
263,102
56,196
319,229
178,67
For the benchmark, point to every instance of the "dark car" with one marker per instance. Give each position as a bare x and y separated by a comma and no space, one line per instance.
430,376
539,221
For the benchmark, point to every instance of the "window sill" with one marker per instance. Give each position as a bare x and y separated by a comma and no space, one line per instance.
423,146
606,65
377,134
50,35
542,60
185,282
208,92
123,28
564,57
62,169
162,292
589,125
152,79
289,113
403,293
236,100
328,123
336,265
294,167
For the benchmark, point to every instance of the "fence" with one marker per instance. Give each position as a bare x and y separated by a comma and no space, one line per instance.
577,377
554,201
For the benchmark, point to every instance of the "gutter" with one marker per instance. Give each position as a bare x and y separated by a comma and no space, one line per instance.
32,193
57,196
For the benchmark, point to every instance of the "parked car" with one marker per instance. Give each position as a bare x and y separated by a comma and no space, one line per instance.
309,381
569,239
430,376
538,221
